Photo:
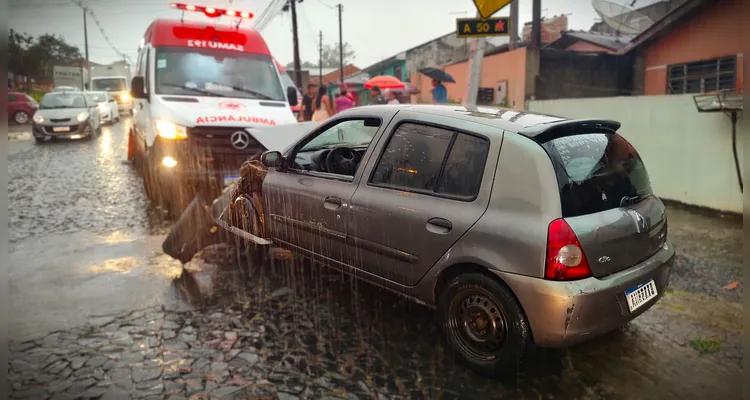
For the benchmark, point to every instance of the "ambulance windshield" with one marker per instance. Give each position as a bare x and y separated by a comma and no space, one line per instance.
210,72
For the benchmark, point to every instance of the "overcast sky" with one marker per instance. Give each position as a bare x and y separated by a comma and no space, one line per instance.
375,29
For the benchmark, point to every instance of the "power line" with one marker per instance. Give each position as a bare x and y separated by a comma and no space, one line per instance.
101,29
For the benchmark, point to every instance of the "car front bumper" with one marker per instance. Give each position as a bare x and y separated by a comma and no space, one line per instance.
125,107
562,314
76,130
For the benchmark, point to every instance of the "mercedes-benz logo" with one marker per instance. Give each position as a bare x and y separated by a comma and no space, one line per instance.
240,140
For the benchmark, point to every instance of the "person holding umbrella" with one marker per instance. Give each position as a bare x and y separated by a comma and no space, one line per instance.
439,92
377,97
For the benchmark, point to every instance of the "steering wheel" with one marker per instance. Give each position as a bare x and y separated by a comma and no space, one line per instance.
343,161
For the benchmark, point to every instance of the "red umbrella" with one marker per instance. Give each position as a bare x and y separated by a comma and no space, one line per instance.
384,82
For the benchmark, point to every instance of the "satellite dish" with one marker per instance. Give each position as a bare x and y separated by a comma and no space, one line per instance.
622,19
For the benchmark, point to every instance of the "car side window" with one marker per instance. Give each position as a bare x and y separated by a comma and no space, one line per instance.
413,157
462,174
432,160
146,74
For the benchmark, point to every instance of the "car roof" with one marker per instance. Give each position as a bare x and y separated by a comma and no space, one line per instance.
526,123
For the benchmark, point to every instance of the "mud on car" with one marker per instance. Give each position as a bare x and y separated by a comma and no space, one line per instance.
520,229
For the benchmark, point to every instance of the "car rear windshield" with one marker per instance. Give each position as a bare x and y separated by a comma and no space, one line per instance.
597,172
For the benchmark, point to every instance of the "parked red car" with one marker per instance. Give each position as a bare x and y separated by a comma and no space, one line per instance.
21,107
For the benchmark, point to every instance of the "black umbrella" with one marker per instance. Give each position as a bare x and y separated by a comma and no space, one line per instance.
437,74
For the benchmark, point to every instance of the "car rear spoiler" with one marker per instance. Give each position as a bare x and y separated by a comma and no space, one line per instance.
545,132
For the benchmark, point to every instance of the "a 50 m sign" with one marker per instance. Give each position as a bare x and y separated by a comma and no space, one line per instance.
476,27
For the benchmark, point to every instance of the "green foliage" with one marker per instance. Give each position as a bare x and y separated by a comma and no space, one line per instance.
35,56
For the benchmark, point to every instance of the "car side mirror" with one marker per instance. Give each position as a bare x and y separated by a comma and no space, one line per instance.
271,159
291,95
137,88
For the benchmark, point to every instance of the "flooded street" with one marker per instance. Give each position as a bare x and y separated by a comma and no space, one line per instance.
98,311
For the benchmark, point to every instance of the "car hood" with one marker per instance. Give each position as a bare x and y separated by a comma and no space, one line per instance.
220,111
281,137
59,113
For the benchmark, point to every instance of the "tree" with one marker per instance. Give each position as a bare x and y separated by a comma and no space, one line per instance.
35,57
330,57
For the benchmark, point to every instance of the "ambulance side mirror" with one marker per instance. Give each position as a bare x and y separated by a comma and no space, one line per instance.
137,86
291,95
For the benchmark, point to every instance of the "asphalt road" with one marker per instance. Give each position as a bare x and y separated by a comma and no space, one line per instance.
85,243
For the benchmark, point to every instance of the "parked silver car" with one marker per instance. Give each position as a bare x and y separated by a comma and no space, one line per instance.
70,115
518,228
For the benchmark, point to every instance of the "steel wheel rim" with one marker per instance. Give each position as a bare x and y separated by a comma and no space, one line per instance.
22,117
477,324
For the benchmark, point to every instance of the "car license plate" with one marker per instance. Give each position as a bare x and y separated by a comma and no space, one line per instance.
61,129
229,179
639,295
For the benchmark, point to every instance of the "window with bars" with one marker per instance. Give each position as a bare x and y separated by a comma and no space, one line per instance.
702,76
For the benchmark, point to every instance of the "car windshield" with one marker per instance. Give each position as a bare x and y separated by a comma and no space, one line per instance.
109,84
209,72
99,97
62,100
352,133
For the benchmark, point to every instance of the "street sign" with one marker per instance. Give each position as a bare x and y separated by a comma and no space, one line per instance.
488,7
477,27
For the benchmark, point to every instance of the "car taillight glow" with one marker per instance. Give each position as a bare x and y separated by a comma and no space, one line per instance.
211,11
565,258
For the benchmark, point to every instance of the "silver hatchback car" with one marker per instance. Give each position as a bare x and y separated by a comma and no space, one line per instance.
518,228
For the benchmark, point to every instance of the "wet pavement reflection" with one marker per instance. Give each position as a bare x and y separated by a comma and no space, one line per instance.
86,252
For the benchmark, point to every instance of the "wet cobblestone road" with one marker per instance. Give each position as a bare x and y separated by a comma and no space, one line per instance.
99,312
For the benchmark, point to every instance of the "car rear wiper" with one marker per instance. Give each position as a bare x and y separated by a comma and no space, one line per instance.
201,91
627,200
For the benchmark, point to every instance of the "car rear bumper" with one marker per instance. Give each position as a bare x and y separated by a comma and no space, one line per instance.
562,314
124,106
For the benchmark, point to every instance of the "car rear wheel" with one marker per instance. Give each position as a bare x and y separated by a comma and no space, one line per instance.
484,325
21,117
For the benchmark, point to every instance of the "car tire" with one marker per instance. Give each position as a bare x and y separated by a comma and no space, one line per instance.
39,139
21,117
492,305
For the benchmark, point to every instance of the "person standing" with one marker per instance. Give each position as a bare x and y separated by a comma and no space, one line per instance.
307,110
323,109
377,97
439,92
343,101
391,96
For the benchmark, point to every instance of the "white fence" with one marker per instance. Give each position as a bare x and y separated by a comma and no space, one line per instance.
688,154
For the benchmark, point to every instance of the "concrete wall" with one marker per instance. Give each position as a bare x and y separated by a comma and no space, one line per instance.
569,74
444,50
716,32
688,154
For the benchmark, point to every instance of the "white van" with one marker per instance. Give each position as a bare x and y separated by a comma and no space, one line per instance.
198,92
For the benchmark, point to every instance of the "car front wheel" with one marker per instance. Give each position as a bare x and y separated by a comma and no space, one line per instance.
21,117
484,325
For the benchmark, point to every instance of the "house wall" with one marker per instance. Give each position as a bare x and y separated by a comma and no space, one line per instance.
390,70
688,154
444,50
510,66
716,32
586,47
564,74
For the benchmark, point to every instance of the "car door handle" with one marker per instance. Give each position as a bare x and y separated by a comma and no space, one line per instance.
439,225
332,203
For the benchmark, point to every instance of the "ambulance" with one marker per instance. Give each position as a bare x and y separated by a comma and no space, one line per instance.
199,91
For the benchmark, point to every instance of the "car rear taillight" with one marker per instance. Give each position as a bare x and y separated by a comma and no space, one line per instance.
565,258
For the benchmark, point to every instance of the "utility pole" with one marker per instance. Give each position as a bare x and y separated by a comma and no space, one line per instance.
475,69
536,24
320,60
86,45
297,65
341,46
513,24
